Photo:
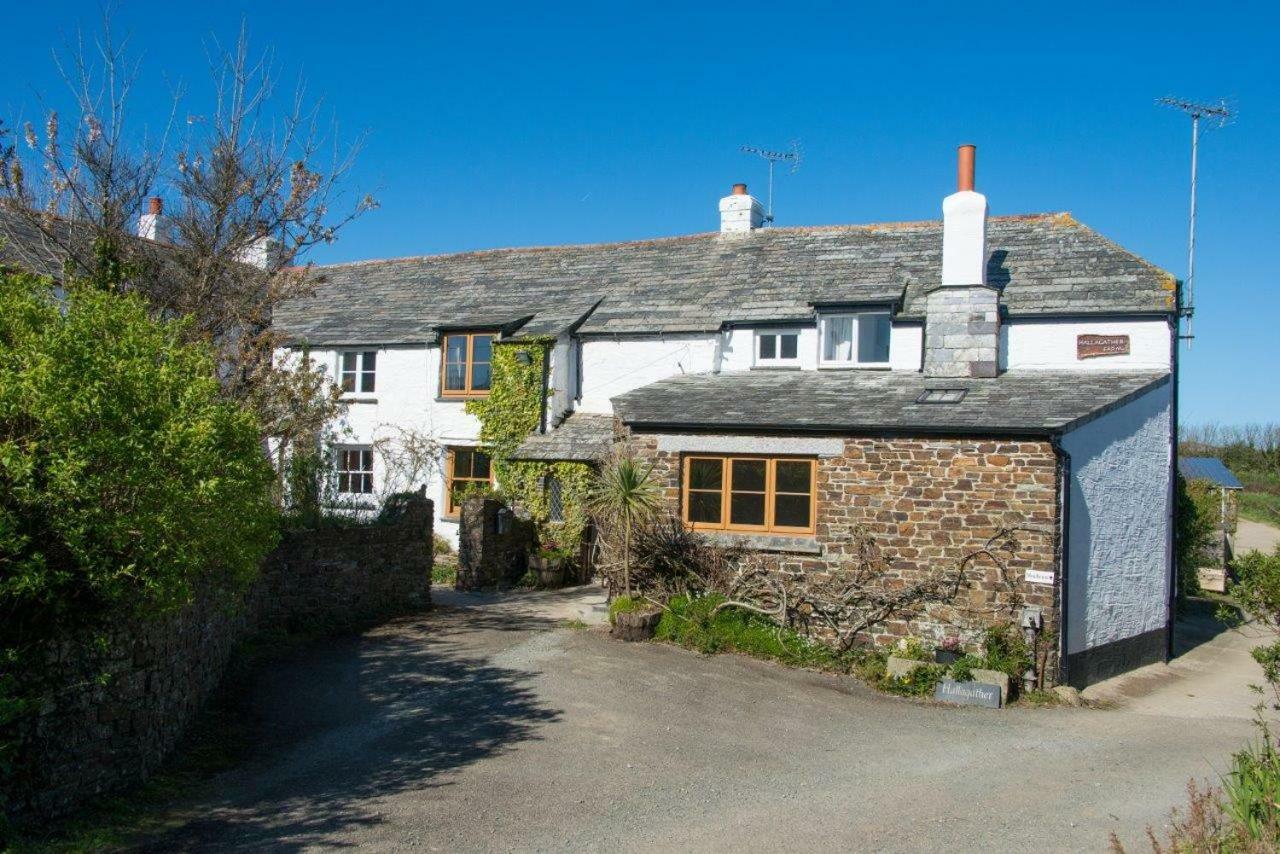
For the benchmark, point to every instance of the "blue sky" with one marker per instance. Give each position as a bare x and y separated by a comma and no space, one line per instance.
491,124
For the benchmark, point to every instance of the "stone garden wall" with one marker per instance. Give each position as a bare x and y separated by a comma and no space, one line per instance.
493,544
926,502
121,710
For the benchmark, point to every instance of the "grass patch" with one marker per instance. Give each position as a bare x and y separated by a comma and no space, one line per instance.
691,623
1261,507
444,570
573,624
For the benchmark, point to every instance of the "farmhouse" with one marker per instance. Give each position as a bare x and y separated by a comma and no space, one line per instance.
928,384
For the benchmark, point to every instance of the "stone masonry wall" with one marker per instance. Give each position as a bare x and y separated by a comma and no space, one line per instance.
493,544
962,334
120,712
926,502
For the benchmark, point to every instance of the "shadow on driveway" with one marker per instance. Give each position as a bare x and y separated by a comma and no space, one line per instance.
346,722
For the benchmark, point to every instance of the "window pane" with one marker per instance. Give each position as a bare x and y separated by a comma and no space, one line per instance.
790,345
344,482
348,362
873,338
366,381
480,465
462,462
704,507
370,362
348,382
481,348
792,476
746,508
455,377
768,346
455,349
791,511
480,377
705,474
366,483
837,339
748,475
366,460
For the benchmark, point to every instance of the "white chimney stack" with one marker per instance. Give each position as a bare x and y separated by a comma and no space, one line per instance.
740,212
153,225
962,322
964,228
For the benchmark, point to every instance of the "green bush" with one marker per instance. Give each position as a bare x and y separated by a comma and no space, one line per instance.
693,622
920,682
125,476
1197,518
962,668
1005,649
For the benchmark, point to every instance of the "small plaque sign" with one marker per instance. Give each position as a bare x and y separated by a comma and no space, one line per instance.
1093,346
1039,576
968,693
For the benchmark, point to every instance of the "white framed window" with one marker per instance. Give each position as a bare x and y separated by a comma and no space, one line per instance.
777,348
357,370
854,340
353,466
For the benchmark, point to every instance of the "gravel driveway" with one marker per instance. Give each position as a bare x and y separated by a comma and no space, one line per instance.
493,728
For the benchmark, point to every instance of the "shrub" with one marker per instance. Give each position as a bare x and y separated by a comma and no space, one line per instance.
1197,518
913,648
125,476
1005,649
920,682
625,605
695,623
440,546
962,669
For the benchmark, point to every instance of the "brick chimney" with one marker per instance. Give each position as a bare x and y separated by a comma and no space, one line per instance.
153,225
962,323
740,212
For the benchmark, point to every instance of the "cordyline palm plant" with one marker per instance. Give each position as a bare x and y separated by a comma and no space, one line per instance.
623,495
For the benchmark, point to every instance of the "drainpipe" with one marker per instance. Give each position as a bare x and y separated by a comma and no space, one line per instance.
1173,481
546,384
1064,545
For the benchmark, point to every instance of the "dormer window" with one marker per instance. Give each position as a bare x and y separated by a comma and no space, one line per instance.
466,369
859,340
777,349
357,371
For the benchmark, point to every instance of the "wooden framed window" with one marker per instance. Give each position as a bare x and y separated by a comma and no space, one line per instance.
465,467
465,364
357,371
353,467
748,493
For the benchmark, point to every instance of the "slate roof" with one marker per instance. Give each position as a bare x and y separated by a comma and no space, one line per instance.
582,437
1045,264
1021,403
1211,469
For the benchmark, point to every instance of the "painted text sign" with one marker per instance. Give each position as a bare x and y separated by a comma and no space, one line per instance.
968,693
1039,576
1092,346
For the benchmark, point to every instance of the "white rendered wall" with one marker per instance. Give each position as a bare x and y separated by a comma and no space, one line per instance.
906,346
1119,535
1051,344
562,378
404,409
613,366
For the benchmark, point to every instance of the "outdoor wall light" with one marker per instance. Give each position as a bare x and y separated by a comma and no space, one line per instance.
524,357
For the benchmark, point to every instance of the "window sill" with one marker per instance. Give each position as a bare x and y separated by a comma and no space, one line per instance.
775,367
356,398
784,543
459,398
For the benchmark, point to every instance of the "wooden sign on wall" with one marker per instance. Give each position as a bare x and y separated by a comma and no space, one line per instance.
1092,346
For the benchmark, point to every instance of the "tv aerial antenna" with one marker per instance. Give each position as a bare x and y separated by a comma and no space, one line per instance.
792,156
1219,113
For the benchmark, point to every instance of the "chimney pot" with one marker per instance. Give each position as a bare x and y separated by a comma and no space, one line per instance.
740,189
155,205
964,170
